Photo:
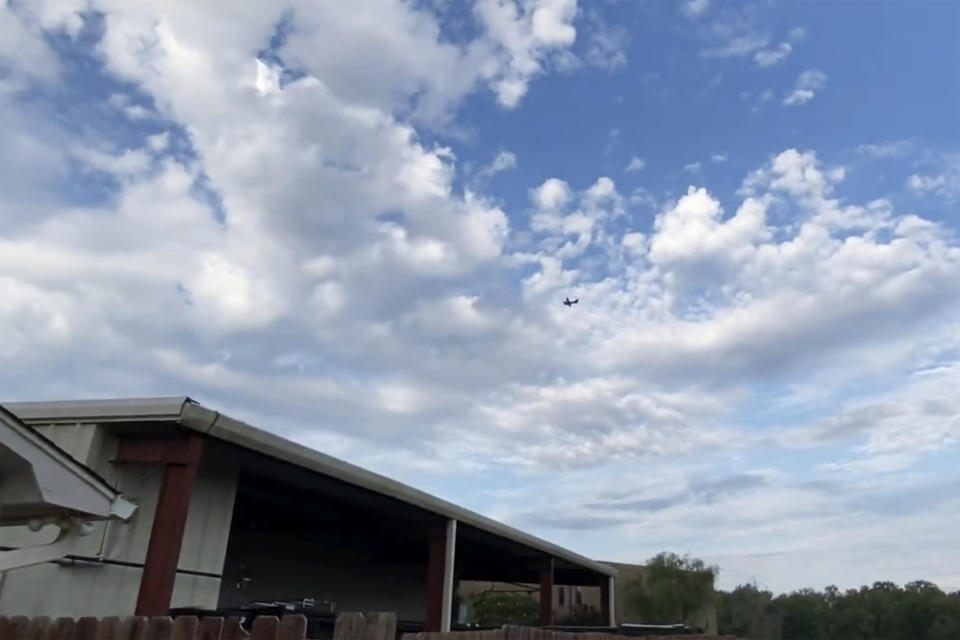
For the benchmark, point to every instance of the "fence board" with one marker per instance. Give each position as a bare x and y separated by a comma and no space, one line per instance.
108,628
210,628
293,627
349,626
62,629
133,628
232,629
40,628
380,625
15,628
159,628
264,628
85,629
185,628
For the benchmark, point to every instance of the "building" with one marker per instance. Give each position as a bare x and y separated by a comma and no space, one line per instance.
42,485
229,514
571,603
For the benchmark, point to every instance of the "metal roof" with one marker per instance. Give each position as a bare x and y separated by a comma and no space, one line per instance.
189,413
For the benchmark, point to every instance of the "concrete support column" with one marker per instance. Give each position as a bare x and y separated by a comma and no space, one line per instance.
441,559
608,600
180,458
546,593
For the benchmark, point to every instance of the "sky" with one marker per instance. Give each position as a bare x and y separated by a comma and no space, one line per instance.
353,224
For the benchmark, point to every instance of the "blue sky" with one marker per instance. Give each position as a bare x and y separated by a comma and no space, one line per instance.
353,224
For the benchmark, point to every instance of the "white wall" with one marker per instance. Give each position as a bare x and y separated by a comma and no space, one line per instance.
106,589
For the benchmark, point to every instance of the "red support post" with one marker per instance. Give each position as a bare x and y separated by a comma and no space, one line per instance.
436,565
546,593
180,459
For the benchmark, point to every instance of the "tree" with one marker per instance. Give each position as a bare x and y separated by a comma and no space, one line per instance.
671,588
804,615
747,612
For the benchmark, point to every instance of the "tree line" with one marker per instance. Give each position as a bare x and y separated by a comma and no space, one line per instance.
918,610
674,586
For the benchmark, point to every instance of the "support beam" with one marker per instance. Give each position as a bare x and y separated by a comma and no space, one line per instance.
67,541
441,559
180,458
608,600
546,593
450,558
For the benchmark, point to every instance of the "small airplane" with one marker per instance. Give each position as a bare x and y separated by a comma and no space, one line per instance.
569,302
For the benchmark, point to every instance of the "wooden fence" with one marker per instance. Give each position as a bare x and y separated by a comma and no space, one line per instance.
530,633
348,626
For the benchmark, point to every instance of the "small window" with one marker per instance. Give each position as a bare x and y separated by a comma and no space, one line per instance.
560,600
578,597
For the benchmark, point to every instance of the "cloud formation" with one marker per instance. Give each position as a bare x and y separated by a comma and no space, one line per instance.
273,224
807,85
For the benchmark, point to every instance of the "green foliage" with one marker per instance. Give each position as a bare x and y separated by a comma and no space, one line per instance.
497,608
747,612
671,588
884,611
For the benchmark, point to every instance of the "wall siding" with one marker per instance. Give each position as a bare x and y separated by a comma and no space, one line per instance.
111,590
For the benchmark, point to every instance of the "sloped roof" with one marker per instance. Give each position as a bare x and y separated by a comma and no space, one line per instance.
188,413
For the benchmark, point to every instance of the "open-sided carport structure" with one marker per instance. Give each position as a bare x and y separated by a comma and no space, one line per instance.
231,514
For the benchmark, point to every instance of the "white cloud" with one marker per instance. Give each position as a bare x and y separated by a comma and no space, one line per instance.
893,149
158,141
694,8
719,157
693,167
805,88
636,164
552,194
606,44
944,184
129,162
737,46
770,57
942,180
526,35
503,161
797,34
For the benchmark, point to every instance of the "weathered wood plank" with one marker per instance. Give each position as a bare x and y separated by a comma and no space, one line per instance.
108,628
40,628
85,629
293,627
62,629
159,628
133,628
232,629
185,628
349,626
264,628
14,627
380,625
210,628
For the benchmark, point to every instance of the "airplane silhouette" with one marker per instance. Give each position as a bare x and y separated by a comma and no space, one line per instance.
569,302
